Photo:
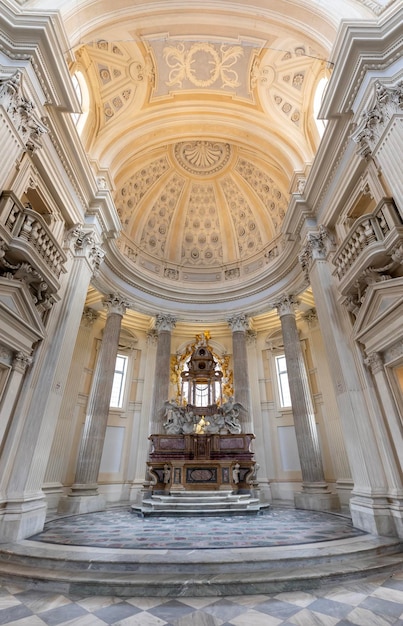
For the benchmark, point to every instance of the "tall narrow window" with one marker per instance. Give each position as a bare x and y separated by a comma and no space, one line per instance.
319,94
119,380
282,379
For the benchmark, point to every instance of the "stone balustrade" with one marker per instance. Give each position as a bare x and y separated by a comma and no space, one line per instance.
371,241
29,238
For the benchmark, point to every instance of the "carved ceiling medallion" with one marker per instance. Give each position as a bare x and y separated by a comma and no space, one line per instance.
202,157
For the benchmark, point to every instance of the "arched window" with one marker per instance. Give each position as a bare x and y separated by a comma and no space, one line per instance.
317,101
80,87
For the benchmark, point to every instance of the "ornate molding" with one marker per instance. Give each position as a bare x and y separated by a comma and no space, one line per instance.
21,112
165,321
202,157
286,305
238,323
184,61
388,102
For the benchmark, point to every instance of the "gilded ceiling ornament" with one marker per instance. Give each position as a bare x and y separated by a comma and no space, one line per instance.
202,64
202,157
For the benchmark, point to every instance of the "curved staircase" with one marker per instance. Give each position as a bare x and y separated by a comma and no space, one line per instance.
208,572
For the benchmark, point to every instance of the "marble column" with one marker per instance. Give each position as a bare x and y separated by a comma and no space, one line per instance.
84,496
369,504
239,325
163,324
315,494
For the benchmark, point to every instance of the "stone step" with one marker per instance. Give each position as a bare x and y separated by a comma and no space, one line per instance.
211,572
198,502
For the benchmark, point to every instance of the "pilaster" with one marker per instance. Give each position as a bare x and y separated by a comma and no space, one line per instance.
29,439
368,505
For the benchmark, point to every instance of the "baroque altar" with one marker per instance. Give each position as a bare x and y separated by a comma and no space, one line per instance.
202,447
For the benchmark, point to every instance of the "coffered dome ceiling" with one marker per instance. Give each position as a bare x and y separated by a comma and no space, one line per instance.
201,116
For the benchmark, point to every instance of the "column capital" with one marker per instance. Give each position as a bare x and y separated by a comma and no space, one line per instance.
152,337
89,316
83,242
115,303
165,321
317,246
238,322
374,362
286,305
387,101
21,361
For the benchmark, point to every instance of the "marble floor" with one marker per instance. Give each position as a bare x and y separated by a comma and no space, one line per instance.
369,601
374,601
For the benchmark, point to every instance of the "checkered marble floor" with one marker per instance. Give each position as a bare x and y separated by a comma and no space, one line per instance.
375,601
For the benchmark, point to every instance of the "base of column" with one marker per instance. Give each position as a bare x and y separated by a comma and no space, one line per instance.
22,519
76,504
316,497
372,515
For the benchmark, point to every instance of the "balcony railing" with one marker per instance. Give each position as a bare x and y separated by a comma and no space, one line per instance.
29,238
371,243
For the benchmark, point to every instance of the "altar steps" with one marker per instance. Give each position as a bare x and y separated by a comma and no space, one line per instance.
199,503
88,571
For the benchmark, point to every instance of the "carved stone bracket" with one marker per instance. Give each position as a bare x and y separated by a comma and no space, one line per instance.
40,290
165,321
388,102
238,322
21,112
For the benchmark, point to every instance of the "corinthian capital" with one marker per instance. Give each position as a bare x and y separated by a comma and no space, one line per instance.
165,321
317,246
285,305
374,362
21,361
238,322
114,303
